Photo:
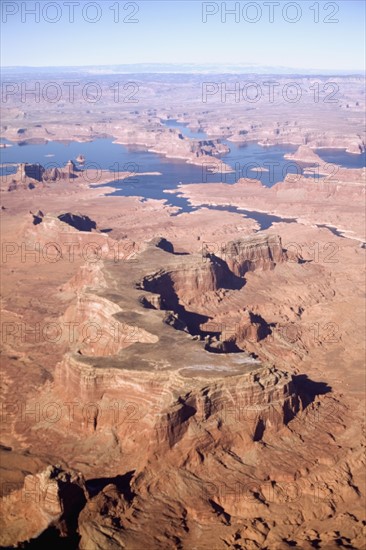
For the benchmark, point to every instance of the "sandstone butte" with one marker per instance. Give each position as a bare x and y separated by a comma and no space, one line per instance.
218,399
229,444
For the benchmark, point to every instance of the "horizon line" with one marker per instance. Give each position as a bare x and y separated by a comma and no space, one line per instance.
198,66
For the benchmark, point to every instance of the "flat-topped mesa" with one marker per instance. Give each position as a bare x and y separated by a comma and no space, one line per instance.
306,155
71,236
165,407
96,332
262,251
167,385
240,407
195,275
40,173
174,144
31,174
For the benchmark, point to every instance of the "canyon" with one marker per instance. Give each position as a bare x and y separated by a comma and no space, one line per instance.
182,378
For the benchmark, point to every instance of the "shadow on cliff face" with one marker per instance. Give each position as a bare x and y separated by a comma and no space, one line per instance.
308,389
229,280
79,222
122,482
163,285
265,328
167,246
220,347
37,217
63,535
220,511
51,539
169,285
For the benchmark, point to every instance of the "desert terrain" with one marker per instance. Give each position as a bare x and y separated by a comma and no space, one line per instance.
189,376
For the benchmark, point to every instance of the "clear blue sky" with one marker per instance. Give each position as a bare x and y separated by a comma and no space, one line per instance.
173,32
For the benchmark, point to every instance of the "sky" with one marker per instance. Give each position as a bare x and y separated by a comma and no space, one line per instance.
303,34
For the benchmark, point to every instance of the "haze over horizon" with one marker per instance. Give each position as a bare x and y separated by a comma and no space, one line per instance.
182,68
186,33
182,189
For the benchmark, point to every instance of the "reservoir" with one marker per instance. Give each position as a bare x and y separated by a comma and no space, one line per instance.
104,154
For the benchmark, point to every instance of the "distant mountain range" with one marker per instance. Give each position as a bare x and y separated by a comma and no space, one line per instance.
189,68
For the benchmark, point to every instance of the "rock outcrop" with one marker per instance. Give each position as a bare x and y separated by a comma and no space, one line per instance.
131,355
32,171
69,236
145,388
306,155
29,176
205,398
78,221
262,251
48,503
39,173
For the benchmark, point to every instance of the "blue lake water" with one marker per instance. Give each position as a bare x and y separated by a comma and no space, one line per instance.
108,155
339,156
105,154
183,128
264,220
